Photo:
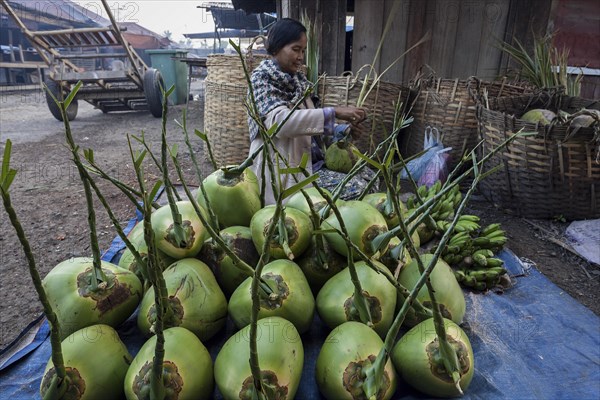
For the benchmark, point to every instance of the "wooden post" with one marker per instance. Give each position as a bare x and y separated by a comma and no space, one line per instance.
330,18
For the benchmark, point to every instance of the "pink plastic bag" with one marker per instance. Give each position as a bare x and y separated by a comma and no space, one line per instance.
436,169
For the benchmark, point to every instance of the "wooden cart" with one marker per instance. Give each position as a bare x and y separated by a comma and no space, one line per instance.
123,81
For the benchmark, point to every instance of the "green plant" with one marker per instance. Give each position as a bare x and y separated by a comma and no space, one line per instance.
312,48
546,67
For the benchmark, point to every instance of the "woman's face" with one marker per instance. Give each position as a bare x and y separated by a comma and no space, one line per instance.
291,57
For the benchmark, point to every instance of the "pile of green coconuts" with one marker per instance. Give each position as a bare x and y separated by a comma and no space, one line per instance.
393,309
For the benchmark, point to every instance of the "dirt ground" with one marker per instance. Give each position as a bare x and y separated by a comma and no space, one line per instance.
50,201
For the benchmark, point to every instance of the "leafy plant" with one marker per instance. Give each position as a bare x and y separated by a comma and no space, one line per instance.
546,67
312,48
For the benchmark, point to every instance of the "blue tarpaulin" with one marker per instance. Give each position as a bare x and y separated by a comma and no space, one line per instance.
533,341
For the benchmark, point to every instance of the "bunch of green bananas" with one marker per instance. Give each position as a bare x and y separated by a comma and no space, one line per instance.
472,254
466,223
445,206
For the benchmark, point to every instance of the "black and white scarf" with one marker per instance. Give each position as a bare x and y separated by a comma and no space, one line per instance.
272,88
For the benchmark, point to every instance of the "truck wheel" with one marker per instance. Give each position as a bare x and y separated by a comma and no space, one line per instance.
153,91
55,89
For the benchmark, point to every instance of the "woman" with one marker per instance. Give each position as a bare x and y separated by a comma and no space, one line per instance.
278,84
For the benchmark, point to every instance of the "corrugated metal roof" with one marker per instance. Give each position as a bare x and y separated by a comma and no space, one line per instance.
255,6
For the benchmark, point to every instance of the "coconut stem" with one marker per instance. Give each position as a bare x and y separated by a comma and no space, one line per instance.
57,356
211,214
98,274
136,254
127,190
214,234
111,215
449,357
178,230
418,307
371,372
263,260
163,310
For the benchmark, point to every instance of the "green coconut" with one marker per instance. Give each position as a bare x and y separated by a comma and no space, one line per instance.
340,156
539,115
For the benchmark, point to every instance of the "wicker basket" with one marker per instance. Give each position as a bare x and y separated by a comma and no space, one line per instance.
225,117
448,105
380,104
555,173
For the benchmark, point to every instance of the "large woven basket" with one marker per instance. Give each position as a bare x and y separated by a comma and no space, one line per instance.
225,117
380,105
448,105
555,173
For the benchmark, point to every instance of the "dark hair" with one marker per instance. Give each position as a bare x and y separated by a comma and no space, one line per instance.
282,33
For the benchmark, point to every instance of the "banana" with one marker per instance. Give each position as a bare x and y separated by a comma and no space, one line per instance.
483,275
422,191
442,225
500,241
467,217
459,275
453,249
494,262
459,228
434,189
499,270
466,226
457,199
495,234
484,252
481,242
469,281
479,259
461,241
445,214
455,259
447,206
458,237
489,229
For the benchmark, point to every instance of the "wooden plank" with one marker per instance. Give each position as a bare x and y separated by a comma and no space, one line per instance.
69,31
27,64
443,37
19,87
495,18
468,38
290,9
333,36
418,25
525,18
395,41
369,20
93,76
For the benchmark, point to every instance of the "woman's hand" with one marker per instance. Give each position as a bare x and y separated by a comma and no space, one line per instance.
354,115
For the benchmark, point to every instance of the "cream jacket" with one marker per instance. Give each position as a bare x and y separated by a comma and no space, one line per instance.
292,141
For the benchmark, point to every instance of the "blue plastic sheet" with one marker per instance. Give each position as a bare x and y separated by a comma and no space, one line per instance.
532,342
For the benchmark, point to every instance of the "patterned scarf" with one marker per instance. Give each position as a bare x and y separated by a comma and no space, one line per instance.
274,88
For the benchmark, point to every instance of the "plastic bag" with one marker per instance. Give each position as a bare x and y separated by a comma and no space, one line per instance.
437,168
432,143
